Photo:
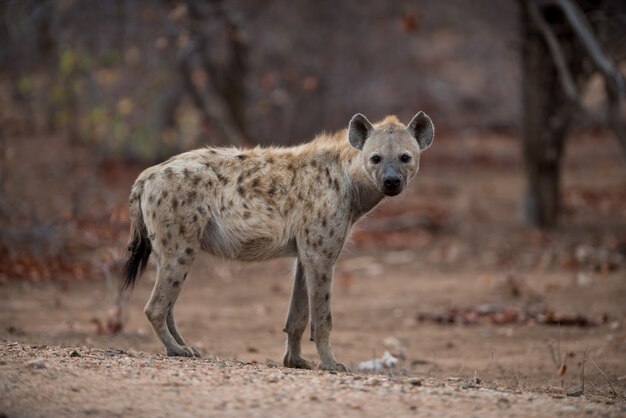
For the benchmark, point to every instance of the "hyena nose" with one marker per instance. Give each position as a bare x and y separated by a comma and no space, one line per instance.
391,181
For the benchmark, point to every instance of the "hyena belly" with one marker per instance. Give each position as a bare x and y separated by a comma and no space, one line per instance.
246,242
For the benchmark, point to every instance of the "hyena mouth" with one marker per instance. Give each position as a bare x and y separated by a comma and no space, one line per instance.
392,192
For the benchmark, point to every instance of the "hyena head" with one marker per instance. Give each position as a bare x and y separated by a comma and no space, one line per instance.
390,151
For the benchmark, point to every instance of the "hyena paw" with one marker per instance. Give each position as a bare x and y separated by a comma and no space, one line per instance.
181,351
333,366
296,362
196,353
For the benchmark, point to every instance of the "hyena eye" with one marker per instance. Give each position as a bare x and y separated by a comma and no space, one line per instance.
375,159
405,158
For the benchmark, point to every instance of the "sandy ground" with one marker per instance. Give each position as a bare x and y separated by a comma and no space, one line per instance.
55,381
455,240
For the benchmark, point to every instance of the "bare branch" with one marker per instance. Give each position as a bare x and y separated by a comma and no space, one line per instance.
225,81
582,28
616,109
209,113
184,61
614,81
615,84
565,76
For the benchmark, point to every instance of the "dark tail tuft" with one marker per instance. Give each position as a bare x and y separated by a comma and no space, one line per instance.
138,253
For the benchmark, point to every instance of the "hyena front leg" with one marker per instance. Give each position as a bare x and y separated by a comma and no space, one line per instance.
297,320
171,273
171,325
319,276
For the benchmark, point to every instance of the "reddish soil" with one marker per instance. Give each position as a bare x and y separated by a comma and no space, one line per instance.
455,240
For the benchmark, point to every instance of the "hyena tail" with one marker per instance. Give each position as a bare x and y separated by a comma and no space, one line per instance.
139,247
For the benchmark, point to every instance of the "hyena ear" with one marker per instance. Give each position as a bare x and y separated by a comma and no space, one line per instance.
358,130
422,129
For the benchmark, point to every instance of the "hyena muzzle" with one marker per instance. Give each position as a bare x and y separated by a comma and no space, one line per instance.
263,203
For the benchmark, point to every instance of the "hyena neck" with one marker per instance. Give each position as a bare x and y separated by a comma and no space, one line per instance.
362,191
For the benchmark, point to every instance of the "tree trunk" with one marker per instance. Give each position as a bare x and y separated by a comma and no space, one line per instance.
546,116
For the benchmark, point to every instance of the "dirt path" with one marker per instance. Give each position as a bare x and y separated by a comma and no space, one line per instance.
41,381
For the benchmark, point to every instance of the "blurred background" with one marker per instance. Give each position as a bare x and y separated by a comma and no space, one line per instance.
515,227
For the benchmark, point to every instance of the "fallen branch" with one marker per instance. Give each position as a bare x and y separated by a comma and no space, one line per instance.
505,315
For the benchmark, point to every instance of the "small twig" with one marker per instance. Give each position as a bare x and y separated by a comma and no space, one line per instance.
556,354
491,362
558,345
582,370
553,355
602,392
604,375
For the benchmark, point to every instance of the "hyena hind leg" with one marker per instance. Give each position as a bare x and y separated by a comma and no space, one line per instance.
297,320
159,310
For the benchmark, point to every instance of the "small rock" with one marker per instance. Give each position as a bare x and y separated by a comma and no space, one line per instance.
37,363
114,352
372,381
415,381
574,391
471,382
271,364
75,353
387,361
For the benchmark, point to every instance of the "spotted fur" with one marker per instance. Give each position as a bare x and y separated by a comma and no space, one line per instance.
263,203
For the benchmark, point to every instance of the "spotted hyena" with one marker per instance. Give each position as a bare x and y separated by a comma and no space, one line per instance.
263,203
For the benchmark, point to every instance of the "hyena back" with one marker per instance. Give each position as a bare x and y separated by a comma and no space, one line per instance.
264,203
